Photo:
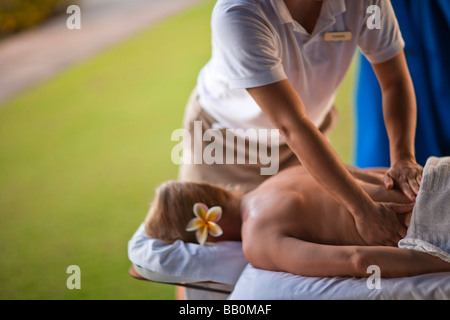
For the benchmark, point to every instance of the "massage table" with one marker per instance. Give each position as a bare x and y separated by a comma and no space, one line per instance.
220,271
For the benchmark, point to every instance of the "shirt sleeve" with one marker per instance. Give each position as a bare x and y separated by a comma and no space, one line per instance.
380,38
246,46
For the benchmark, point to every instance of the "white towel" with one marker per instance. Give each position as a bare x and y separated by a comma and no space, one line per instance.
429,230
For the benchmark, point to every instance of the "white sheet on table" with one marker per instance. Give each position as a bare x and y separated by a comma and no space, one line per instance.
257,284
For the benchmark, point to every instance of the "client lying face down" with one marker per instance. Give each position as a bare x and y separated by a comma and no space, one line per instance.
289,223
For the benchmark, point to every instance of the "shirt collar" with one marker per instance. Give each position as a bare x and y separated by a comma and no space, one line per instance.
336,7
333,8
283,14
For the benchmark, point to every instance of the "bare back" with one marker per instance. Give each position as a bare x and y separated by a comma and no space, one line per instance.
293,204
291,224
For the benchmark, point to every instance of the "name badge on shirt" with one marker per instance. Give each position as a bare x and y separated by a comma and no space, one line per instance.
338,36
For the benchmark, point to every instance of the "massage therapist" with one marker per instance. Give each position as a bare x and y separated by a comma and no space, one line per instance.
277,65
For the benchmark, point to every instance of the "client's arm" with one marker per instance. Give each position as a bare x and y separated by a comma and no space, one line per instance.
268,243
288,254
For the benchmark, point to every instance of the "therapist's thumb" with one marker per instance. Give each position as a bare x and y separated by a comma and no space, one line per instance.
388,181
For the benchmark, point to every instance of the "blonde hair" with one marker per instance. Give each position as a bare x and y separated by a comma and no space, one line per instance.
172,208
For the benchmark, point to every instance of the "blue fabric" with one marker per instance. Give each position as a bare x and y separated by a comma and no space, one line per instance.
425,26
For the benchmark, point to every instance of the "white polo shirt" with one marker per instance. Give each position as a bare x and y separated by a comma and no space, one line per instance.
257,42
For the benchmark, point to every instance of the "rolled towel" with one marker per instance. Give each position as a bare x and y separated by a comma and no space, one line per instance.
429,229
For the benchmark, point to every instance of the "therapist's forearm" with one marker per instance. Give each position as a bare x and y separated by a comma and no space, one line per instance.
400,113
399,106
323,163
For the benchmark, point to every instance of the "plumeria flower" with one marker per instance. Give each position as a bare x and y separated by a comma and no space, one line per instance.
205,222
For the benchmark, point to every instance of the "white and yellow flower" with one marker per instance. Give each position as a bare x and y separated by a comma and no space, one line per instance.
205,222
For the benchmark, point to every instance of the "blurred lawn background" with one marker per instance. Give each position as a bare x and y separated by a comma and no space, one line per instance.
81,155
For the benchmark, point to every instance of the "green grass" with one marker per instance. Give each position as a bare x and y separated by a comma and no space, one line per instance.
81,155
342,136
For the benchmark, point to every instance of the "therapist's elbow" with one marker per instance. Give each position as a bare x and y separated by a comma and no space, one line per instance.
285,130
291,129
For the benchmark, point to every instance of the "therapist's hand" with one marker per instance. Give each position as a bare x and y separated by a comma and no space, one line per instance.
405,175
381,225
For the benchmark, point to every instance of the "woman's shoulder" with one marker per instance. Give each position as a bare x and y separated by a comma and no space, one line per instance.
241,8
239,3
